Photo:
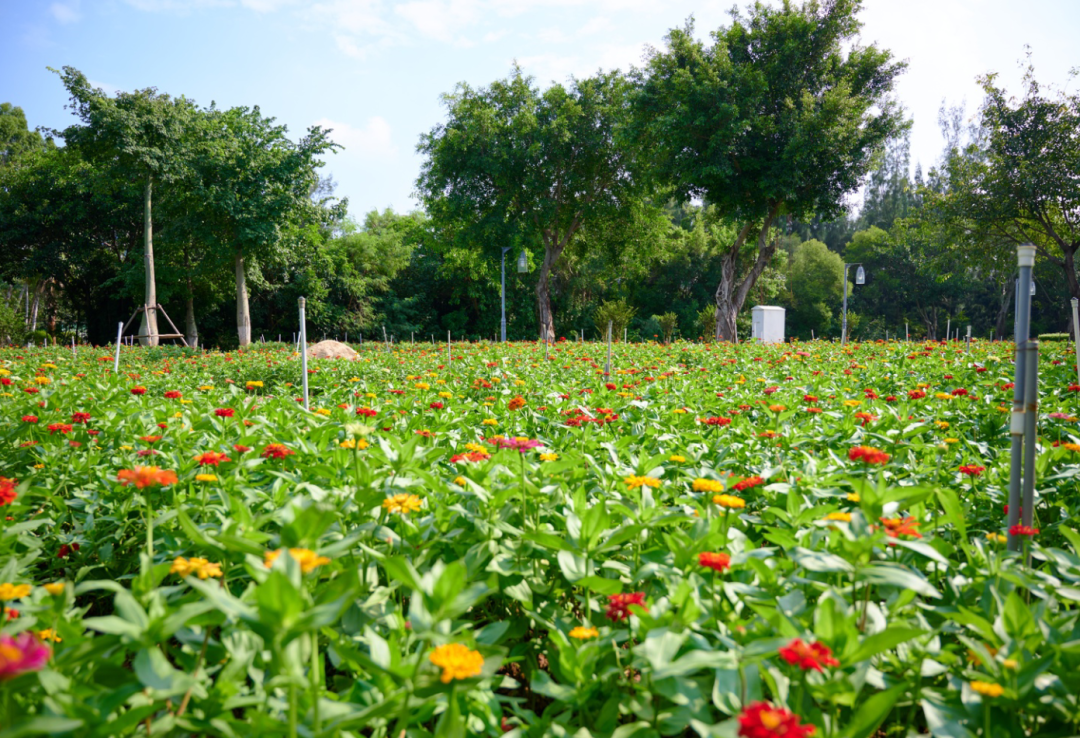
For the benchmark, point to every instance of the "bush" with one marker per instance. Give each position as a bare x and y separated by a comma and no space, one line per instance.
12,328
618,313
706,322
1055,337
669,323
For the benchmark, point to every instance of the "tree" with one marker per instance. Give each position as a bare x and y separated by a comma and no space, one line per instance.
774,118
1021,184
254,185
512,162
16,139
815,279
142,133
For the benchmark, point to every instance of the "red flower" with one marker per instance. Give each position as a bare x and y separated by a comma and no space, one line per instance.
149,439
890,398
1074,388
65,550
1023,530
811,399
146,476
868,455
7,491
367,412
138,390
717,421
276,451
770,390
146,452
471,456
173,395
609,386
80,417
896,527
30,390
972,470
747,484
211,458
59,428
619,605
959,392
808,655
29,418
241,449
716,561
436,406
762,720
6,382
916,394
224,412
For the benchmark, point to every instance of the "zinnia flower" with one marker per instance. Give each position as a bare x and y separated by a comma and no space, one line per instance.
582,633
401,504
306,558
618,607
211,458
138,390
224,412
808,655
516,404
987,689
707,485
146,476
10,591
716,561
717,421
276,451
763,720
729,501
80,417
747,484
633,482
22,654
200,567
868,455
7,491
59,428
972,470
457,662
1023,530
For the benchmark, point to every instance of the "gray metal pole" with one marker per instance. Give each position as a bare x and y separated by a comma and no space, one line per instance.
119,338
1076,337
1026,260
907,335
303,351
1031,418
502,293
448,357
967,342
843,326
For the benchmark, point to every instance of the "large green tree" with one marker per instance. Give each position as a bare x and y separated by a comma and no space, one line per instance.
783,113
514,164
142,134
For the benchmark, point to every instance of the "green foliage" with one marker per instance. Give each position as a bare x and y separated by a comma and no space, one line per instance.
1055,337
669,323
617,313
12,326
815,280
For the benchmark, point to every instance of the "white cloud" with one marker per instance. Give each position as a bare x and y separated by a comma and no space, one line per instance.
66,12
441,20
107,88
372,141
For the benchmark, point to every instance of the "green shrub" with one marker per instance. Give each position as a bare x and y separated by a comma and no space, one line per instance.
706,322
618,313
1054,337
12,328
669,323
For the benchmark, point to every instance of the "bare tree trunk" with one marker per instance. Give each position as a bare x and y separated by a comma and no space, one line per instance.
243,312
35,306
731,296
148,325
553,248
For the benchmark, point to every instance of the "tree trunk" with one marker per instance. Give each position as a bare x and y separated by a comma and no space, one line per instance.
35,306
553,248
731,296
148,326
243,313
191,331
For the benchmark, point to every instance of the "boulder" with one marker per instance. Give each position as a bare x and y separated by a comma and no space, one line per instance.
330,350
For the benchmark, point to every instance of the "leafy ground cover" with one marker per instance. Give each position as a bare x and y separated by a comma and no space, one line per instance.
714,540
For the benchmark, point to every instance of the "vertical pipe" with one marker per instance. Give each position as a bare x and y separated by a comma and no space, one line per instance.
1076,337
303,352
1026,260
448,357
502,294
607,366
1031,418
967,342
119,339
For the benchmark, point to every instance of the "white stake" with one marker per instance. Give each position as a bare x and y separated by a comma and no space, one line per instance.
119,339
303,353
1076,338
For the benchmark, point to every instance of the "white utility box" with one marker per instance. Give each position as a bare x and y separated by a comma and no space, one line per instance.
767,323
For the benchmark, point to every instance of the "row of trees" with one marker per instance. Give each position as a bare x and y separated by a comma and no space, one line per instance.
715,173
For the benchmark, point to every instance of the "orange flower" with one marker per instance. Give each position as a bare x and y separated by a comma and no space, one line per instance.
146,476
517,403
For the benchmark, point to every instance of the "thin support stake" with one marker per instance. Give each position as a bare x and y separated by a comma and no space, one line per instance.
303,352
119,339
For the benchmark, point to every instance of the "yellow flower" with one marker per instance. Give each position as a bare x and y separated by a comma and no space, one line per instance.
347,443
943,396
49,635
178,415
1070,446
519,382
951,440
549,457
126,448
457,662
680,410
252,383
422,385
1010,664
490,421
206,477
205,387
461,481
729,501
42,380
582,633
475,447
370,394
54,588
48,366
708,485
200,567
634,482
401,503
988,689
923,385
308,559
13,591
39,466
941,425
841,517
997,538
676,459
854,497
322,411
852,403
446,395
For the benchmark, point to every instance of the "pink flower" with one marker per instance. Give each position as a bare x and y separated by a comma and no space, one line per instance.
21,654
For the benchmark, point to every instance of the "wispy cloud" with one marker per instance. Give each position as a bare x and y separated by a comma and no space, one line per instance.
107,88
66,12
372,141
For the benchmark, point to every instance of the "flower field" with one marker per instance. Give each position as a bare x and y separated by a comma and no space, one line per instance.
715,540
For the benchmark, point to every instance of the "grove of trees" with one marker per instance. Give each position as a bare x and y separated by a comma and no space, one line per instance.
742,170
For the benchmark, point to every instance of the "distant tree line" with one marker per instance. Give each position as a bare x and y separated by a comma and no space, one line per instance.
666,200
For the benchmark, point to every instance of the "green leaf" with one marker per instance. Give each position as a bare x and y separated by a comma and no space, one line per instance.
872,713
874,644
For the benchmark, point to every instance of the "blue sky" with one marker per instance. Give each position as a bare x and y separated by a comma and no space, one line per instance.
373,70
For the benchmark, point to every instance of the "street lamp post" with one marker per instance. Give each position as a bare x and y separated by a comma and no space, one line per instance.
860,278
503,297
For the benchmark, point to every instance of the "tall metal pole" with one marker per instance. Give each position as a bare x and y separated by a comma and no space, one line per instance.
303,351
1031,418
1076,338
1026,260
843,327
119,338
503,292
